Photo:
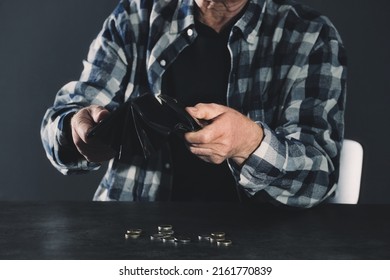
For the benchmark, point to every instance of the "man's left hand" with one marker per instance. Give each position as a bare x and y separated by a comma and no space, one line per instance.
228,134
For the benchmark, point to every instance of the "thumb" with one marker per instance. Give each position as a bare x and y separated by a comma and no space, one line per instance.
203,111
98,113
85,119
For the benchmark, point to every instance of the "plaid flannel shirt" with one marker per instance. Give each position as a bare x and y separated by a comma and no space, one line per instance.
288,74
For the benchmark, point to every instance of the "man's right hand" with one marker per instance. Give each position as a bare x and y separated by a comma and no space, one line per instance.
81,124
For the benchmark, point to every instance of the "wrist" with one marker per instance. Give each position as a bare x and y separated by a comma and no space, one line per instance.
67,128
253,142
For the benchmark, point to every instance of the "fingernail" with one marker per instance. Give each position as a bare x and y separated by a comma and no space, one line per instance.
192,109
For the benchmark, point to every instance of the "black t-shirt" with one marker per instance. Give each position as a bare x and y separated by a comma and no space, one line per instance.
200,74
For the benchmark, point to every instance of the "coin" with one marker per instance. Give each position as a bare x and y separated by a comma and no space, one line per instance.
168,239
133,233
224,243
133,236
164,227
218,234
167,232
204,237
157,236
183,240
215,239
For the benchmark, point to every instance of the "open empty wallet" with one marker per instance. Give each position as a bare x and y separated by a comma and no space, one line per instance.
143,124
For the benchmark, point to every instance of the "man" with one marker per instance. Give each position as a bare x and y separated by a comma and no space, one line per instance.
268,77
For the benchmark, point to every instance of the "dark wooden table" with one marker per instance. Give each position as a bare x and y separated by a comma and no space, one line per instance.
95,231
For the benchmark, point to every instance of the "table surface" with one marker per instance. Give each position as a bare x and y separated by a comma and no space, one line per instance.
95,231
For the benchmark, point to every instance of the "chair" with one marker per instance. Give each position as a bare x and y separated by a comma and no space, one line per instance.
351,163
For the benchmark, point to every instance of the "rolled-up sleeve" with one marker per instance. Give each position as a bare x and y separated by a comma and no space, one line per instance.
103,82
297,161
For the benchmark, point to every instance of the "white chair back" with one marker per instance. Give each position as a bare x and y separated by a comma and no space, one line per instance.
351,163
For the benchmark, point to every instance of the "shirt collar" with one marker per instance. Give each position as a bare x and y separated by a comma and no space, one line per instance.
183,17
248,24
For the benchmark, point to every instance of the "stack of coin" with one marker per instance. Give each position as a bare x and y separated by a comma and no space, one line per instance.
165,229
133,233
217,236
165,234
168,235
220,239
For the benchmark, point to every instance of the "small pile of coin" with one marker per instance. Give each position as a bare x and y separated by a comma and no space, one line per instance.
165,234
218,238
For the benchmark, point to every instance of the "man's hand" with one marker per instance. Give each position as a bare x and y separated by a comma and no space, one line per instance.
81,123
228,134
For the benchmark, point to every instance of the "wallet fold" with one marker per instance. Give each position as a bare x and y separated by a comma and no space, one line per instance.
143,124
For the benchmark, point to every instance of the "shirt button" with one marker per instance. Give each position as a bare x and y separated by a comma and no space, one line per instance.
190,32
163,62
167,166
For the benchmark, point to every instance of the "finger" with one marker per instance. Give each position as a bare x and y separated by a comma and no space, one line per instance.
207,154
82,123
207,134
205,111
85,119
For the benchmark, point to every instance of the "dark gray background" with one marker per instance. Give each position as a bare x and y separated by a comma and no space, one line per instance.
43,42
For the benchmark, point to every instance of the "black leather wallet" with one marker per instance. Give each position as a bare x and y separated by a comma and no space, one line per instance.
143,124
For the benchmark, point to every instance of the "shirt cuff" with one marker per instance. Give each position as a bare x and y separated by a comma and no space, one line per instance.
264,165
66,152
